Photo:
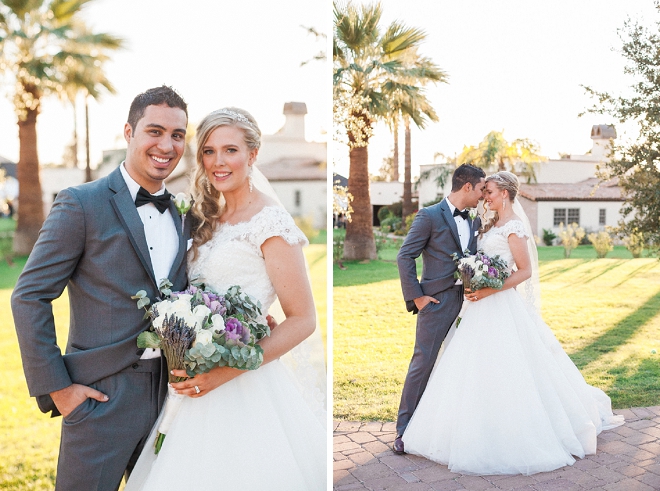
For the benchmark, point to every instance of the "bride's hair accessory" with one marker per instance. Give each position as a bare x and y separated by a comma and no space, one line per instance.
237,116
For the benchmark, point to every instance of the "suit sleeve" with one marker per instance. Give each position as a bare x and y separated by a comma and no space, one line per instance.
412,248
52,262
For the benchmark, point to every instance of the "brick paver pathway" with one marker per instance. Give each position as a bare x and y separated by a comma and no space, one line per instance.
628,459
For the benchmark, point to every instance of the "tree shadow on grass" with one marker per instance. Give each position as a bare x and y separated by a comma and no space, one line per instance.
364,272
619,334
642,269
559,270
638,388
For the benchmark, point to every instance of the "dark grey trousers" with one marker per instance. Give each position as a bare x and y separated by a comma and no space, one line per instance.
102,440
433,323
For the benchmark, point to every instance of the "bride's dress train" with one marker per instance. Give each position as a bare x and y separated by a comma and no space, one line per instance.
256,431
504,398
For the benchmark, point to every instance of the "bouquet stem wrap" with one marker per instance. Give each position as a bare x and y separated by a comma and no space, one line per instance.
171,408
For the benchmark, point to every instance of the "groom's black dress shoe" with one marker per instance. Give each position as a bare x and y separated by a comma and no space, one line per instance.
398,446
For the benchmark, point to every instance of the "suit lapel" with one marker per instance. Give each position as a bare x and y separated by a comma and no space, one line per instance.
125,209
180,256
449,218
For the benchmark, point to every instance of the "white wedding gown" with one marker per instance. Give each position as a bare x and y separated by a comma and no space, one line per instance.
255,432
503,397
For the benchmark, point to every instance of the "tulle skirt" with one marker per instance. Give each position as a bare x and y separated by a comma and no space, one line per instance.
255,432
504,398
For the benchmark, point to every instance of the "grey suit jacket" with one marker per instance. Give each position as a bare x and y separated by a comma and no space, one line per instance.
92,243
434,236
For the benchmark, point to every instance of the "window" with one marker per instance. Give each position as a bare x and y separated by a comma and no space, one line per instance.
566,216
602,216
560,217
573,215
297,199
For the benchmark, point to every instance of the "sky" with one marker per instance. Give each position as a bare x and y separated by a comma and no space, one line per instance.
516,66
215,54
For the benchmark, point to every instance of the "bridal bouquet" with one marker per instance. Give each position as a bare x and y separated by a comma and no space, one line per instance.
481,271
199,329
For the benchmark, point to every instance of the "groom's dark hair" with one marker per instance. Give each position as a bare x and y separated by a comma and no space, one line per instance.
154,97
466,173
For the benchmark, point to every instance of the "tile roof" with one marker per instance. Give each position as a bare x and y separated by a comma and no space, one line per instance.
588,190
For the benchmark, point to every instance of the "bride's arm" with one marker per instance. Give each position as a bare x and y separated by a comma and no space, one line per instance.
518,246
285,266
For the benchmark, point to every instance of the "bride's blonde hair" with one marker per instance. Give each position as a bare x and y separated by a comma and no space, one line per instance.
505,181
208,201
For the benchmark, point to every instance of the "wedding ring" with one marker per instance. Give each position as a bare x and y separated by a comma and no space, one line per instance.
197,391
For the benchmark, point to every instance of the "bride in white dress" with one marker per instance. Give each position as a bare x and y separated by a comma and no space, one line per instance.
249,430
503,397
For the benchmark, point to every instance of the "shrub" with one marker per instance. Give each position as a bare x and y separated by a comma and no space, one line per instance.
383,214
570,237
338,247
382,241
409,221
602,242
635,244
548,236
390,224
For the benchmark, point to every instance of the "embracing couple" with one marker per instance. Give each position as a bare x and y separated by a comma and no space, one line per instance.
501,396
106,240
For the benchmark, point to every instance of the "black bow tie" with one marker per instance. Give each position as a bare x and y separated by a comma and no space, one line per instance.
465,214
162,202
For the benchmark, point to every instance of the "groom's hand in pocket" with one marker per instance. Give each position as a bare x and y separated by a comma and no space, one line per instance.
74,395
421,302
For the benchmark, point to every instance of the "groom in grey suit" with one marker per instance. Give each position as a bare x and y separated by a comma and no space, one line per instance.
437,232
104,241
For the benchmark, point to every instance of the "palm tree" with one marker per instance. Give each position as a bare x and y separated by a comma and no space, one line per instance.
89,80
496,153
370,64
41,44
412,104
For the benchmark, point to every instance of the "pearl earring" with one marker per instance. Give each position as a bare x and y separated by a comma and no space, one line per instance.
208,184
503,204
250,179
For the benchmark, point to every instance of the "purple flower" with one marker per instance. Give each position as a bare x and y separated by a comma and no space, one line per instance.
492,272
235,330
207,300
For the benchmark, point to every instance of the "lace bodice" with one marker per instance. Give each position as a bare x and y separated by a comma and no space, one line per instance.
496,240
233,256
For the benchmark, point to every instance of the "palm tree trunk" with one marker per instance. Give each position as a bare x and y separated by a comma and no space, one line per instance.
88,167
359,242
395,157
30,199
407,176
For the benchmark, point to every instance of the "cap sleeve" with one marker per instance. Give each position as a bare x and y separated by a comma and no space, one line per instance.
515,227
274,221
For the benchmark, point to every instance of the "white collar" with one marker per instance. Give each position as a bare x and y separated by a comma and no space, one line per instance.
134,187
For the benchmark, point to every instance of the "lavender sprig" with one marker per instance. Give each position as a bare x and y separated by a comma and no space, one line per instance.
175,338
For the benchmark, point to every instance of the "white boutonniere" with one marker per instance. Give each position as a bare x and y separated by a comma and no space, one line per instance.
473,213
182,202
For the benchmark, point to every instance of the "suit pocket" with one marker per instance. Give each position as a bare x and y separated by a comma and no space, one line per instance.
428,307
81,412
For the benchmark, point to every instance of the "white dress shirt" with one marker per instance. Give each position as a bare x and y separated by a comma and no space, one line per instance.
162,238
463,227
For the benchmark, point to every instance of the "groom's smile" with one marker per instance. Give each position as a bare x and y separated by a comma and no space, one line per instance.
156,145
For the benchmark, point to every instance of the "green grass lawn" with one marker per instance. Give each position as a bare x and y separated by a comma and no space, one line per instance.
605,312
29,439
